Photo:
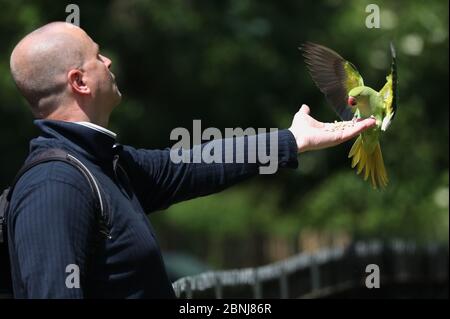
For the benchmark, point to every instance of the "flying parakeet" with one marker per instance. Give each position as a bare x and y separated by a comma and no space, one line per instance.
344,89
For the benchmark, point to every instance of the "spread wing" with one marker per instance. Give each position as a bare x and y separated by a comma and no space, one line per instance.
333,75
389,92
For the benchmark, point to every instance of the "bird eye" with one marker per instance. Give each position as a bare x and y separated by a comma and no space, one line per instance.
351,101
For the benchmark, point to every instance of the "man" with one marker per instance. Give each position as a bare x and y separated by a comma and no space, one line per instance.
59,70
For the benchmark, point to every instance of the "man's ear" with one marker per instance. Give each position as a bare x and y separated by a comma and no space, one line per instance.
77,83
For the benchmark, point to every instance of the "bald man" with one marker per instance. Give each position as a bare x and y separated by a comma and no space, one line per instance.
52,228
59,64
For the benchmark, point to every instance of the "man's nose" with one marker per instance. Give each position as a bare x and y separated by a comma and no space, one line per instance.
107,61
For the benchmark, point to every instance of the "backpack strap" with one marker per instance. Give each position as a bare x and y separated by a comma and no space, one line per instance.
3,208
55,154
6,283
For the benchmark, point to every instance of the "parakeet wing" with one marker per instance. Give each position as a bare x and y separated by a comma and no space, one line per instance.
333,75
389,92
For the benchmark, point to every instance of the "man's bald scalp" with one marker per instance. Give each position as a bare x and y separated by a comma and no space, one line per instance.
40,62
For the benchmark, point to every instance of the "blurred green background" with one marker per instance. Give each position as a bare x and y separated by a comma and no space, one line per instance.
236,63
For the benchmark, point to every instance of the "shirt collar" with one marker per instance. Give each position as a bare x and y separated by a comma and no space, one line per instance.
97,128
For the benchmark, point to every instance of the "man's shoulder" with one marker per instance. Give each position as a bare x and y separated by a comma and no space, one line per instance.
141,156
58,173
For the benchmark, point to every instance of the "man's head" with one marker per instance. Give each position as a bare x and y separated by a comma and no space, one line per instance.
59,70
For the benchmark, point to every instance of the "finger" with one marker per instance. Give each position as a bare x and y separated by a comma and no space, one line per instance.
358,128
305,109
367,123
365,120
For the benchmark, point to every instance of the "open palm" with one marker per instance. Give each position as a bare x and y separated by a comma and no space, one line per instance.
311,134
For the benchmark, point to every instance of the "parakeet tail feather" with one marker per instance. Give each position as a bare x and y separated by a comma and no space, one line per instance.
372,163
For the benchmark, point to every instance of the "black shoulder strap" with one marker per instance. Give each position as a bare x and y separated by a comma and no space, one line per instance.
6,287
45,156
55,154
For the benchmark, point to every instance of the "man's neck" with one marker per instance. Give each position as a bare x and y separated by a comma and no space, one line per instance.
78,115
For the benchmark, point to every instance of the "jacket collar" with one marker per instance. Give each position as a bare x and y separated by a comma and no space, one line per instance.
92,141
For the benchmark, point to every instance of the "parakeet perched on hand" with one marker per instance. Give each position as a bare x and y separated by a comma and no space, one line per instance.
344,89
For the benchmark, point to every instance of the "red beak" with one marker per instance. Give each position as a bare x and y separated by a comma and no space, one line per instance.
351,101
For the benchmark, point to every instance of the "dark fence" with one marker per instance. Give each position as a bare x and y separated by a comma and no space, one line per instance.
406,270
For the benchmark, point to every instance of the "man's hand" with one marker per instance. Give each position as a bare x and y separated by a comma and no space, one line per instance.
311,134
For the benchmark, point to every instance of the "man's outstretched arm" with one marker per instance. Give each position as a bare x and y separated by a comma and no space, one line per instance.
159,181
160,178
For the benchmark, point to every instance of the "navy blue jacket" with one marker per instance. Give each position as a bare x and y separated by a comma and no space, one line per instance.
52,221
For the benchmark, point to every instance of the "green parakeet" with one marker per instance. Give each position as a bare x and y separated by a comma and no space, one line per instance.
344,89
